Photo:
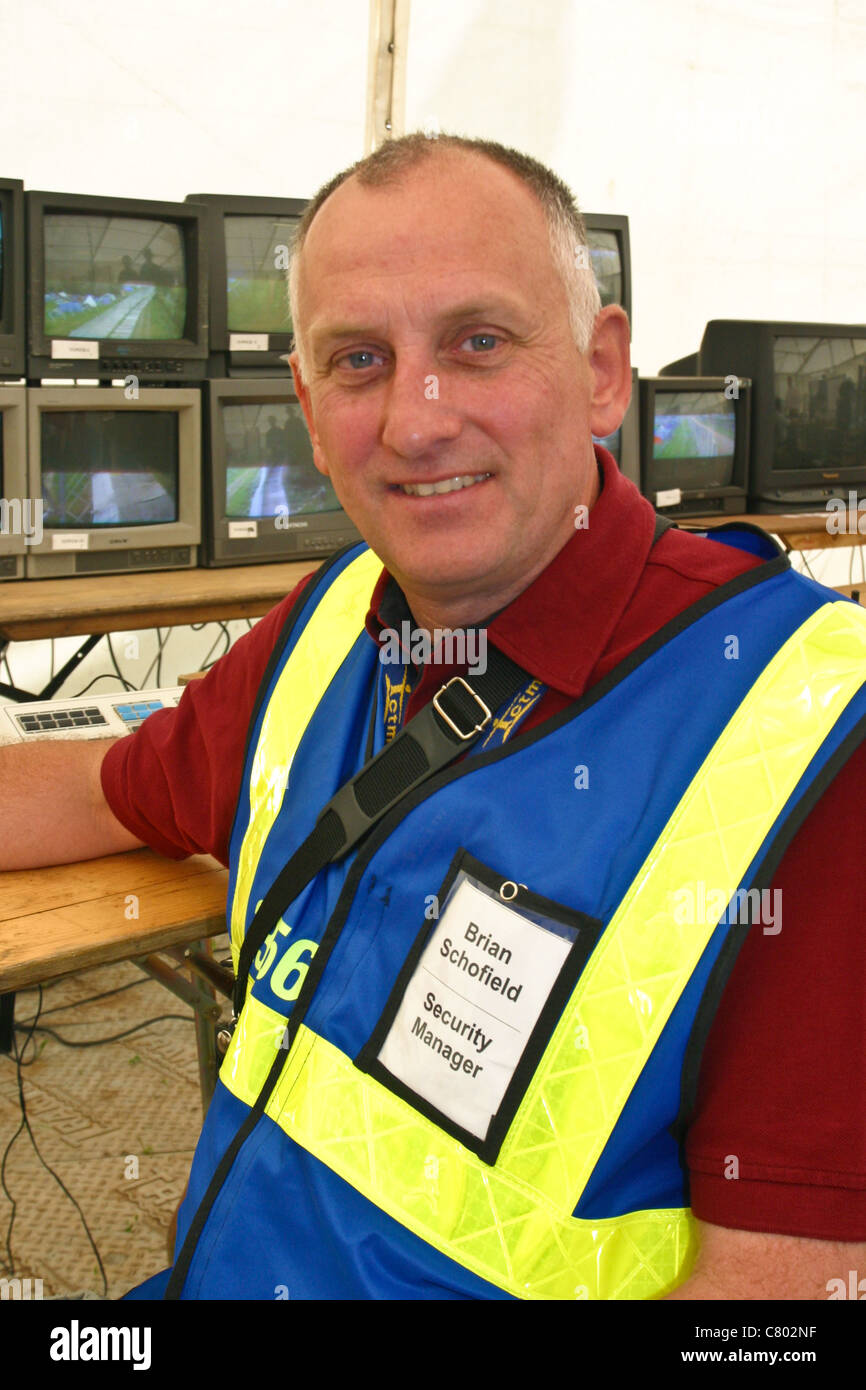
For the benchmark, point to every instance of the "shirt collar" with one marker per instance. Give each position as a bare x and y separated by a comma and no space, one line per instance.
560,626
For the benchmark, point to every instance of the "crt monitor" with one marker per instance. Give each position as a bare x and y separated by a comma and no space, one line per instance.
116,287
624,443
264,497
120,478
694,444
12,331
808,407
610,255
20,516
249,241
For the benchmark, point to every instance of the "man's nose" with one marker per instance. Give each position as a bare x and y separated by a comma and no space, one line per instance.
418,411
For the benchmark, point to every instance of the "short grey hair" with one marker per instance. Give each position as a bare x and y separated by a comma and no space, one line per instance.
566,228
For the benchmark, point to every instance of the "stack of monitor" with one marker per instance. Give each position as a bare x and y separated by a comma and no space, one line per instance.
808,407
264,499
202,455
109,477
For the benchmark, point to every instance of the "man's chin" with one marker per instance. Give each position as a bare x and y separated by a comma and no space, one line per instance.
443,578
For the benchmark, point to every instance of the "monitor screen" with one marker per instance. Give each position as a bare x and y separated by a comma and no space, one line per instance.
604,251
109,467
114,277
269,463
820,395
694,436
1,261
256,264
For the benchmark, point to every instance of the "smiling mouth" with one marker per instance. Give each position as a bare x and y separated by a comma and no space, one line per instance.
446,485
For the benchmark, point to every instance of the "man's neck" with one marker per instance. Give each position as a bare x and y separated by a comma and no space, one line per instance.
429,613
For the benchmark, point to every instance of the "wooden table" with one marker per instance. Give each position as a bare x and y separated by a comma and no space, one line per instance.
31,609
36,608
70,917
801,531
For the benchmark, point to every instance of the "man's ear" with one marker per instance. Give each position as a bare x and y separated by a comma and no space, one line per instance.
610,364
303,393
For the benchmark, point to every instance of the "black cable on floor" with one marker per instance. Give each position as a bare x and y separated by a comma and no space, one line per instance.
91,998
97,1042
25,1124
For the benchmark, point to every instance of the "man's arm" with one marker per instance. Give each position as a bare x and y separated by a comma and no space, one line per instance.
52,807
749,1265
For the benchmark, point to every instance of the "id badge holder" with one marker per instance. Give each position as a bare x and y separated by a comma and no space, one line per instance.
476,1002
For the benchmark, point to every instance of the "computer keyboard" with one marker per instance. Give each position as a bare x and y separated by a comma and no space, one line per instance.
91,716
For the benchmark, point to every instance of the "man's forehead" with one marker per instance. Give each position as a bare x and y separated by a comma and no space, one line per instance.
446,232
445,217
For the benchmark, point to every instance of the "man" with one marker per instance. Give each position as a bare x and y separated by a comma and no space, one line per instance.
453,364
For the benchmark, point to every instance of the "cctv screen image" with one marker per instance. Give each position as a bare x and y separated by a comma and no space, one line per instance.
109,467
269,463
693,441
820,393
113,277
256,272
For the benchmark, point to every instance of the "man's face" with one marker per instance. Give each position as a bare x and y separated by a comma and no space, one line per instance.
437,331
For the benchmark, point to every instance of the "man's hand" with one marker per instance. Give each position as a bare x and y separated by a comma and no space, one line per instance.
52,808
745,1264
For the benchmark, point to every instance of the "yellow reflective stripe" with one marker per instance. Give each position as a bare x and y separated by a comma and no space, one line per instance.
511,1223
504,1231
320,650
645,958
250,1054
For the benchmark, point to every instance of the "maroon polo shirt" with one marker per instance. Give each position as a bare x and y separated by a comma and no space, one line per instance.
784,1068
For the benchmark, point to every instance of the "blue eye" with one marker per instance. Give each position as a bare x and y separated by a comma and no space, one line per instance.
488,340
352,358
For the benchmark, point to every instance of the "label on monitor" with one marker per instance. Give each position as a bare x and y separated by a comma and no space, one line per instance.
671,497
64,347
243,530
248,342
70,540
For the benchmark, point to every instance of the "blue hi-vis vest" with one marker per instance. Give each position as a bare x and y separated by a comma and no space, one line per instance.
696,760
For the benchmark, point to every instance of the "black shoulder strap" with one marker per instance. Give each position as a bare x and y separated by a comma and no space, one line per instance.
448,725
